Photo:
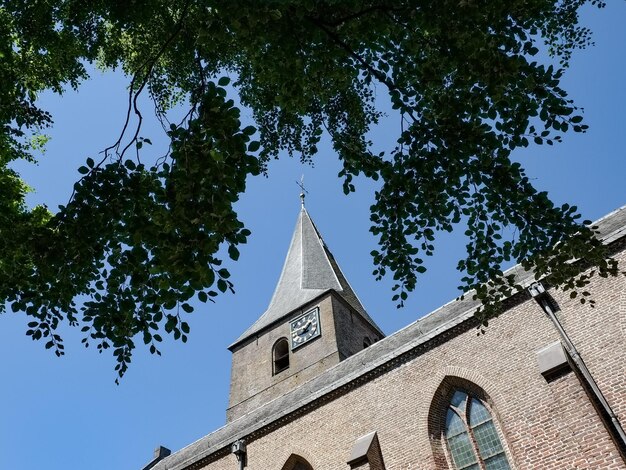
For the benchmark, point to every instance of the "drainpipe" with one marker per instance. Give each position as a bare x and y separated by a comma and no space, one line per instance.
239,449
538,292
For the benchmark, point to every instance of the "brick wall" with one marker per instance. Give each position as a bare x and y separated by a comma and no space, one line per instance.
544,425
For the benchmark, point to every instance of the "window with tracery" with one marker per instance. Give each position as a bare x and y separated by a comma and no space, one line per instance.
471,435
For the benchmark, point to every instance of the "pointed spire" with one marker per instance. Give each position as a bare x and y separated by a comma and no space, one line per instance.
309,271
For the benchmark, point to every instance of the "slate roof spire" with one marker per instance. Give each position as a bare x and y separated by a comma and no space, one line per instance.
309,271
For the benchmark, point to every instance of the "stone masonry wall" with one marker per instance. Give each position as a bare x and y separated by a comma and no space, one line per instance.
252,383
543,425
351,329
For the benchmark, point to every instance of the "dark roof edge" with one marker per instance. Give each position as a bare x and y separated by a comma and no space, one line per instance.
302,308
251,423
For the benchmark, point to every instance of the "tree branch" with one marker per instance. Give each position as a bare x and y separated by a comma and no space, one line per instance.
358,14
133,96
381,77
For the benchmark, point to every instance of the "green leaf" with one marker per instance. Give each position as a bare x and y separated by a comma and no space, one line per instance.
187,308
233,252
138,239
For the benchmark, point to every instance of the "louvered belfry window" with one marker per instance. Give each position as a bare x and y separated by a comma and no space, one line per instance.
280,355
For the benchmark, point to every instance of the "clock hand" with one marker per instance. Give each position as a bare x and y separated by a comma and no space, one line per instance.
304,328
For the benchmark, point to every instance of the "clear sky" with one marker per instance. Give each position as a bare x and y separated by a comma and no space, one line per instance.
67,413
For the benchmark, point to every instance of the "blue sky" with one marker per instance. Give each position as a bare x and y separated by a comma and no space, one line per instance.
68,413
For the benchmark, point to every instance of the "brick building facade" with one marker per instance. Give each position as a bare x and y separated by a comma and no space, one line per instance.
316,385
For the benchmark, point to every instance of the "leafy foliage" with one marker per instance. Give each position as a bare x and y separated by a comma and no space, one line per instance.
138,240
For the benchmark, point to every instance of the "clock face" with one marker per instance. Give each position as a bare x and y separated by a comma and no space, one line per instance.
305,328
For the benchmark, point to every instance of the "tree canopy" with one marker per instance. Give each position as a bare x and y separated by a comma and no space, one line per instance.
138,239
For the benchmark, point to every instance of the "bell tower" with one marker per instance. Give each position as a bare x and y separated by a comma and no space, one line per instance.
314,321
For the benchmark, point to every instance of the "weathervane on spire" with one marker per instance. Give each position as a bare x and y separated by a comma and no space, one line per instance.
304,191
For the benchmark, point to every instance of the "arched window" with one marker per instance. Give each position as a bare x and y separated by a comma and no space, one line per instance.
471,436
366,342
280,355
295,462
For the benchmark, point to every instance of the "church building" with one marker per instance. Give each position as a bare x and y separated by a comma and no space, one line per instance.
316,385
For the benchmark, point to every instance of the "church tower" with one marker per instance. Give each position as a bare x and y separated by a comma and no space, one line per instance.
313,322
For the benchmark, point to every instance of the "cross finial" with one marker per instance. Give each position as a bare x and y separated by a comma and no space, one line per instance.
304,192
